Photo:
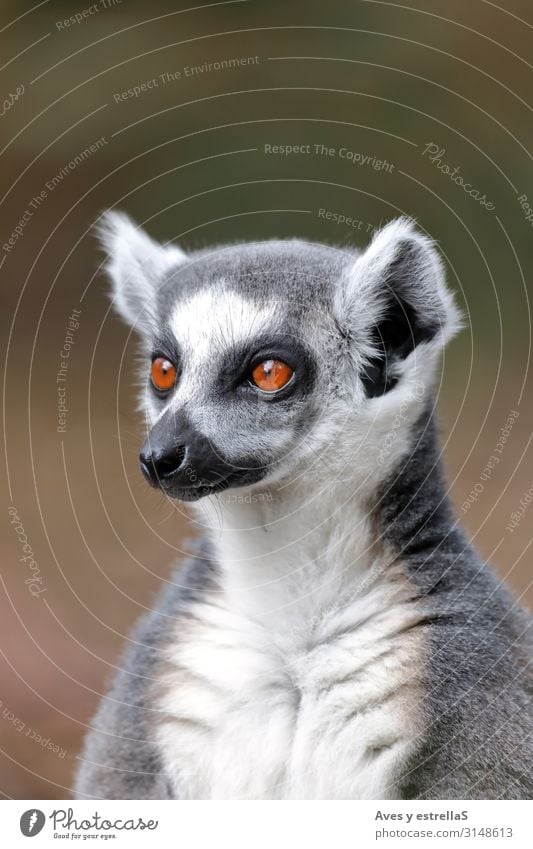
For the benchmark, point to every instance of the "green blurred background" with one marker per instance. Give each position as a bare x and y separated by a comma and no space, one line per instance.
187,157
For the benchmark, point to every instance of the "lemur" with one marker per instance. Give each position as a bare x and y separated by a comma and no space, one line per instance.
334,635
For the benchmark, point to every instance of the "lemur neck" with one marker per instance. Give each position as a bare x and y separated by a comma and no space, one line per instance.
292,550
281,552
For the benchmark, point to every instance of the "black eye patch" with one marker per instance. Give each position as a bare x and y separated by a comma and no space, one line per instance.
240,361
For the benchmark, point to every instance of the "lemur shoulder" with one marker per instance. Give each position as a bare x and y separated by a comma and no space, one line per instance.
335,636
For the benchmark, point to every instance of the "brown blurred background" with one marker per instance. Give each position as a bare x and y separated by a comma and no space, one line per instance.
187,157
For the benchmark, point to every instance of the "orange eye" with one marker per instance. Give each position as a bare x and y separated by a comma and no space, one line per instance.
163,374
272,375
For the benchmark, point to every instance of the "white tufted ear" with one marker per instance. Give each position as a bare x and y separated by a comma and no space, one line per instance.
395,298
136,265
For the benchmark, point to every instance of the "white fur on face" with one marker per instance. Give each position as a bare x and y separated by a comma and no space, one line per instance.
208,326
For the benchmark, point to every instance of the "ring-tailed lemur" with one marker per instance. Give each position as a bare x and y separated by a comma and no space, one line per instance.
335,636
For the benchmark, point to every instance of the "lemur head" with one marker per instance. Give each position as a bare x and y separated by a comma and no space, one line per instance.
268,361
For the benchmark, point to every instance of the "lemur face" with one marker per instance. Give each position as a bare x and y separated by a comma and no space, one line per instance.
257,355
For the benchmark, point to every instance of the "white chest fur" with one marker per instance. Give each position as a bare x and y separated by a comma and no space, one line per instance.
327,712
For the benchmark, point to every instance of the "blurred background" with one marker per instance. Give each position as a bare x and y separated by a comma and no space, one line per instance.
168,112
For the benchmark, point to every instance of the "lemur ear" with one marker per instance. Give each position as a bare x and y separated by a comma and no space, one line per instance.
395,299
136,265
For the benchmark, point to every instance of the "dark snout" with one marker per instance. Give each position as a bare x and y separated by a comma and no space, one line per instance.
159,463
181,461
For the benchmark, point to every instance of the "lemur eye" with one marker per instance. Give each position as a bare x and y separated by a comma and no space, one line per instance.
163,374
272,375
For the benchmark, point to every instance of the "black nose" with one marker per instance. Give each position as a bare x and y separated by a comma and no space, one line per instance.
156,465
